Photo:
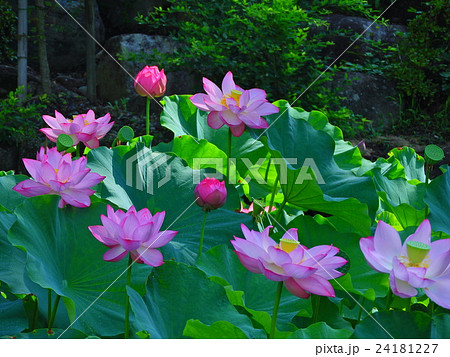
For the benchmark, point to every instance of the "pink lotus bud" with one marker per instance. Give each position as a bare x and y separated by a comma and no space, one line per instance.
210,193
150,82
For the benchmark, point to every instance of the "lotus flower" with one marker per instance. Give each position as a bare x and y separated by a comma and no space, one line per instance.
150,82
83,127
304,271
233,106
210,193
417,263
252,210
55,173
137,232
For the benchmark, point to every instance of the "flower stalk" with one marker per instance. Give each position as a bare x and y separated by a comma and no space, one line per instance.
202,234
127,299
53,314
275,309
147,117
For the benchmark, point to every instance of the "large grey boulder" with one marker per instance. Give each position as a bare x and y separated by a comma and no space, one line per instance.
369,95
115,78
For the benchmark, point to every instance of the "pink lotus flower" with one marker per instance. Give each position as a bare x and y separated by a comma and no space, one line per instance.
418,263
134,232
304,271
55,173
233,106
210,193
83,127
251,209
150,82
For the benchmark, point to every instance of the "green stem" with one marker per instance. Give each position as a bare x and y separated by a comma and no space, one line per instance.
274,193
49,304
147,117
280,210
275,309
35,314
315,299
229,155
388,300
361,307
77,152
202,234
127,299
428,168
114,143
266,176
55,308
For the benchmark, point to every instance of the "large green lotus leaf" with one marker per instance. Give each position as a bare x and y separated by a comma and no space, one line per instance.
177,293
9,198
440,328
12,316
399,190
295,138
259,292
361,279
394,324
349,214
126,168
44,334
12,259
412,163
437,198
64,256
219,329
321,330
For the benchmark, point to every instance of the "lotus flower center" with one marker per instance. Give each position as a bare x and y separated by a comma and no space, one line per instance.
235,94
288,245
417,251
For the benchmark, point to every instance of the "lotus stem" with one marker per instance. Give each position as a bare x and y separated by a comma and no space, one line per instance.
202,234
274,193
229,155
315,299
49,304
127,299
388,300
53,315
147,117
275,309
280,210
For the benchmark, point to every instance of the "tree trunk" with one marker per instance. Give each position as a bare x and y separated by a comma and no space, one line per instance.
90,50
22,53
42,42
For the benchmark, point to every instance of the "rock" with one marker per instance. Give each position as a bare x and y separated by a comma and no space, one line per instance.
369,95
65,38
115,82
343,30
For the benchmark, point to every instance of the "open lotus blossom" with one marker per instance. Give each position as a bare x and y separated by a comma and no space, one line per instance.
83,127
150,82
233,106
417,263
210,193
304,271
137,232
55,173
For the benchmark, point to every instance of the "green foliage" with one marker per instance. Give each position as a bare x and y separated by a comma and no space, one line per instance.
266,44
8,21
421,68
19,121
